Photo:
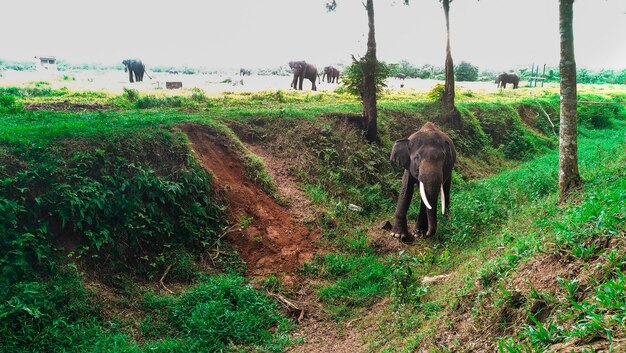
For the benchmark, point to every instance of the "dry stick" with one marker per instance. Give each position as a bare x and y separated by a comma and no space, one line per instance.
291,306
167,270
546,114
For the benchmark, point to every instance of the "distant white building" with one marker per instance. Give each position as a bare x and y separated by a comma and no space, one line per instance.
46,63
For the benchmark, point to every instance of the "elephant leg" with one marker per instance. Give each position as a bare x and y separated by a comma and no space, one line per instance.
130,76
314,87
421,227
400,229
300,82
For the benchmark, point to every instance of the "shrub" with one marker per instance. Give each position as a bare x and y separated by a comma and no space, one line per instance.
353,77
466,72
8,104
597,115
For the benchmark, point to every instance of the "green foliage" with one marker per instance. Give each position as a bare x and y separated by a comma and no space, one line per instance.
598,115
352,76
37,91
132,95
466,72
357,280
412,71
8,104
218,314
102,195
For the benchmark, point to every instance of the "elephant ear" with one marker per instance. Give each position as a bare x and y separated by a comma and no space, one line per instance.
400,153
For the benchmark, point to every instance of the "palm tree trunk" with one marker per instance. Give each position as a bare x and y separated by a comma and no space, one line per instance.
569,178
370,111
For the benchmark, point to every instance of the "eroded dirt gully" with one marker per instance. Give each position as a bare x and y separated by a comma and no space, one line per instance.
275,242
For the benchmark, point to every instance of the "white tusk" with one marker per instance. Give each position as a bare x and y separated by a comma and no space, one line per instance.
423,195
443,201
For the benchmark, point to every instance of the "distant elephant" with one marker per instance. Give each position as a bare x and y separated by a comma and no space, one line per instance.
400,76
134,66
427,157
331,74
505,78
302,70
244,72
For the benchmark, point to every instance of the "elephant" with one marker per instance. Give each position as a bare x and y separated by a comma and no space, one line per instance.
331,74
428,157
505,78
302,70
400,76
134,66
244,72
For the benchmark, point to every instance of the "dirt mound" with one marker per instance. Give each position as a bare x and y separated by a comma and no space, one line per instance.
274,243
69,107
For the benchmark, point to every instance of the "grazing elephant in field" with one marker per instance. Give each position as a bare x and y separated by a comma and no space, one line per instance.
505,78
427,157
302,70
136,67
331,74
400,76
244,72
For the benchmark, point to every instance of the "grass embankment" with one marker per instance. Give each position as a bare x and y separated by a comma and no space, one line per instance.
110,199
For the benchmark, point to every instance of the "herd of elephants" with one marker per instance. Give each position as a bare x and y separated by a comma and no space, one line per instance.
427,156
301,71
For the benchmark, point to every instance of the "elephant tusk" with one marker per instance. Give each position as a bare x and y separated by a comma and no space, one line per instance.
423,195
443,201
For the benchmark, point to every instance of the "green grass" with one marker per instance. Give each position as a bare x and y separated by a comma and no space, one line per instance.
123,184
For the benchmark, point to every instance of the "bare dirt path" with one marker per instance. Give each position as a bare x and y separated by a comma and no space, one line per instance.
274,242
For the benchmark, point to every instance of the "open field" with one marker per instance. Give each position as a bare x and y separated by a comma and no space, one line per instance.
115,81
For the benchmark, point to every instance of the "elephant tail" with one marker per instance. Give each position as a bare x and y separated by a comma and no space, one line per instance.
146,72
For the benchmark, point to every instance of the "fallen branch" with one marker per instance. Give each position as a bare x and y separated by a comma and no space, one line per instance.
546,114
167,270
288,304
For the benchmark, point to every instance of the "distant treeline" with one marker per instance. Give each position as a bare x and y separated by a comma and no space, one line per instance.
463,71
468,72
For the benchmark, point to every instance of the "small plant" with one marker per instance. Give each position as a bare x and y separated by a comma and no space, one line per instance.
131,94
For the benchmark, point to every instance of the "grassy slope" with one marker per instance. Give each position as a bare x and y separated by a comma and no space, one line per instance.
332,152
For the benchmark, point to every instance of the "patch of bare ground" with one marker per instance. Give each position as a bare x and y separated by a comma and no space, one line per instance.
300,206
541,273
324,336
69,107
275,242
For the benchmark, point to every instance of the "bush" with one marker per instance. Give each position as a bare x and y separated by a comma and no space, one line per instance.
353,77
8,104
466,72
597,115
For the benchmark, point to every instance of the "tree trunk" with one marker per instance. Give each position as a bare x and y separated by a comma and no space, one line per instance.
370,111
448,94
569,179
451,115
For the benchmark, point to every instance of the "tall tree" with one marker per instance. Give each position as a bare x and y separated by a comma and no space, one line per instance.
569,178
369,66
448,93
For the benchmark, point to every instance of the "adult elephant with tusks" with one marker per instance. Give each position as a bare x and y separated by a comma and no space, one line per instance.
302,70
505,78
428,157
134,67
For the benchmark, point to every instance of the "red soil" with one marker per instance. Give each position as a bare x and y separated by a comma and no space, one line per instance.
274,243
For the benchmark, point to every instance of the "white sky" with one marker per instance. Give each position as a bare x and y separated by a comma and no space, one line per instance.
494,34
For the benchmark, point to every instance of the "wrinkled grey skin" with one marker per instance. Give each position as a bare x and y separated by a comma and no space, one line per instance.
136,67
505,78
331,74
427,156
302,70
